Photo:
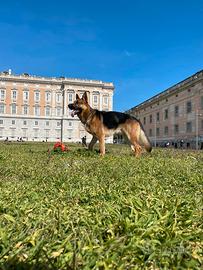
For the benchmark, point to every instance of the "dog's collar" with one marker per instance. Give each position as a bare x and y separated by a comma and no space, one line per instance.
86,123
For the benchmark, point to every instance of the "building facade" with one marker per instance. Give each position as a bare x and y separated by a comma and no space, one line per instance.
175,116
36,108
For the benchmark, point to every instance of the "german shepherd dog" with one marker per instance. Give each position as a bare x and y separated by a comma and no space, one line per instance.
102,124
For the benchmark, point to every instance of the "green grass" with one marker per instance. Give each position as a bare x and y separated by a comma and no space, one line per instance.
80,211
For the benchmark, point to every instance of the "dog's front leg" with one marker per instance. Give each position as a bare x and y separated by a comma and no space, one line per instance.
102,145
92,143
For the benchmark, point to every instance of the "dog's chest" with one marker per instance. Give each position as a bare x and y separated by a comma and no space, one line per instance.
90,129
87,128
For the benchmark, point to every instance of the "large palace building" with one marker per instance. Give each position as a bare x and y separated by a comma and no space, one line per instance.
175,116
36,108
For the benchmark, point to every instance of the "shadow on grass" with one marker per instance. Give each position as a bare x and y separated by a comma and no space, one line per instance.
14,264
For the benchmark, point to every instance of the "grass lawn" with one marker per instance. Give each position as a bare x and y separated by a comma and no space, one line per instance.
80,211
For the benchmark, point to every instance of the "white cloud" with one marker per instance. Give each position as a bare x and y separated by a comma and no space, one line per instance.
127,53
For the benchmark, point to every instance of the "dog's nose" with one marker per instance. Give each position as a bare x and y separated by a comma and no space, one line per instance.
70,106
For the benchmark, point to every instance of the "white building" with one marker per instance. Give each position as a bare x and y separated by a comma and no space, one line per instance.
32,107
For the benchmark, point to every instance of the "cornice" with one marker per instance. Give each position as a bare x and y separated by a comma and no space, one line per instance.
56,81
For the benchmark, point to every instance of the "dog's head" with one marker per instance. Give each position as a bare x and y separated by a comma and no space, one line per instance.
79,105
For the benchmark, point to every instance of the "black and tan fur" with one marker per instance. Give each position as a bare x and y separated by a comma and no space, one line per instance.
102,124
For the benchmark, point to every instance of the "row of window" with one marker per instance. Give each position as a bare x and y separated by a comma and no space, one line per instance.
166,100
71,97
36,123
25,110
36,96
188,128
176,112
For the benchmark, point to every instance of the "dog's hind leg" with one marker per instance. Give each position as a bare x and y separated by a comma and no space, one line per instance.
132,133
133,138
92,143
136,148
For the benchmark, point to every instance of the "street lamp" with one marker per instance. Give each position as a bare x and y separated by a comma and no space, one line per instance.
63,109
197,129
155,135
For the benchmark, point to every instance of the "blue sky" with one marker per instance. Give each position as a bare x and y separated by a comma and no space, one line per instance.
143,47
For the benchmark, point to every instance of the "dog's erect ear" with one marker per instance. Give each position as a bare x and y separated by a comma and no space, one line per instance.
77,97
84,97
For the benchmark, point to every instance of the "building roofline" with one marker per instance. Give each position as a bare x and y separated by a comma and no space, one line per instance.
170,90
55,80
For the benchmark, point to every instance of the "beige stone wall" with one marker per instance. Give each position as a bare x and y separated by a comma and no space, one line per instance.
190,90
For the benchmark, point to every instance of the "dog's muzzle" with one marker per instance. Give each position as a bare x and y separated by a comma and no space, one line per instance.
74,109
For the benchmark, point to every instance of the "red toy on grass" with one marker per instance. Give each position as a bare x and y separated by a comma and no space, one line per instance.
58,146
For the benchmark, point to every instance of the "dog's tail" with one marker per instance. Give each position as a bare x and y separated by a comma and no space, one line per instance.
145,140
